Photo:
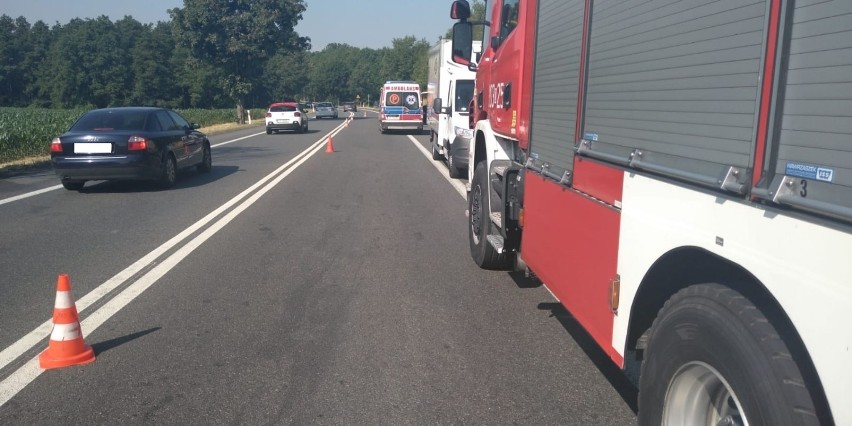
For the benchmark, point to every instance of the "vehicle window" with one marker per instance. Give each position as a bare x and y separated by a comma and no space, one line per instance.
410,100
109,120
509,17
153,124
180,121
325,104
464,93
166,122
282,108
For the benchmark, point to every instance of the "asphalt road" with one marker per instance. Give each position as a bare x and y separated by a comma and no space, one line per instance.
288,286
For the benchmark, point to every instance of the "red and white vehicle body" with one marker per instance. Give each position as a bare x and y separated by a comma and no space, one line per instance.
399,106
679,175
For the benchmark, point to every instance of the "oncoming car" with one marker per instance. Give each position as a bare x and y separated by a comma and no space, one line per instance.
286,116
350,106
129,143
325,110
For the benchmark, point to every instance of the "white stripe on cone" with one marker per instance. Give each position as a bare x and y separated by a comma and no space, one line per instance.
64,300
63,332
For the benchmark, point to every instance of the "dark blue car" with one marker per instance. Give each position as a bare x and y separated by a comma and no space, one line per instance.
129,143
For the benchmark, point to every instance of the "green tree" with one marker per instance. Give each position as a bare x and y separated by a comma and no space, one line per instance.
239,37
407,60
365,78
285,77
154,80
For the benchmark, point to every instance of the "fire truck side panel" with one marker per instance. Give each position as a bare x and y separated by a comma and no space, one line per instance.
503,93
579,275
814,147
810,283
555,83
675,88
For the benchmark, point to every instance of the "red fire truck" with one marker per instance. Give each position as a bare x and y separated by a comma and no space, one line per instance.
678,173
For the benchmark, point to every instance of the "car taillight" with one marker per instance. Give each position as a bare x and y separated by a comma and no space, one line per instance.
56,146
137,143
268,114
296,114
382,116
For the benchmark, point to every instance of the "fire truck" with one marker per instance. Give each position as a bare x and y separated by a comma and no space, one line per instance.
678,173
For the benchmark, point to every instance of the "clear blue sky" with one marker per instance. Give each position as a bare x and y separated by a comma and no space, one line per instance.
359,23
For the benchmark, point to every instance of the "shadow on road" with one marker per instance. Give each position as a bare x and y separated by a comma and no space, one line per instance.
611,372
118,341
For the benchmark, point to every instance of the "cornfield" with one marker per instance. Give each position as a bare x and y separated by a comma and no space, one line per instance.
27,132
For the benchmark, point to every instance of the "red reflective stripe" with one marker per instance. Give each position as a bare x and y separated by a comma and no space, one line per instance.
766,90
581,92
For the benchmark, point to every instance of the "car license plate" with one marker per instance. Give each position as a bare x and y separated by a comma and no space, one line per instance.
393,117
92,148
280,121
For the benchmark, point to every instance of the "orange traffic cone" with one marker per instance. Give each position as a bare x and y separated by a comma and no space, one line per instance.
66,346
329,146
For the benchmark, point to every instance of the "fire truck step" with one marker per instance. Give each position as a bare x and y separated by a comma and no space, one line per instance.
497,218
496,241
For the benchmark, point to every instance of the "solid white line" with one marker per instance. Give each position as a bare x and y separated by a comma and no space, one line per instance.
55,187
29,194
439,165
16,381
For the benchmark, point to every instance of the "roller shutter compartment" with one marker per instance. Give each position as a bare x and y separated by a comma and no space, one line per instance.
813,169
673,87
555,84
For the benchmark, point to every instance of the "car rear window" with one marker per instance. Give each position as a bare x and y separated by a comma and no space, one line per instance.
410,100
110,120
282,108
325,105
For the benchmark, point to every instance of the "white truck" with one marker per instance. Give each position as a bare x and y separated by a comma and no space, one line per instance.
450,89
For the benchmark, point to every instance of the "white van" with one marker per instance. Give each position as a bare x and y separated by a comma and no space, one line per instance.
450,89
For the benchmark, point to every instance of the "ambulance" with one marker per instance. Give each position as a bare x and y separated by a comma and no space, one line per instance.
399,106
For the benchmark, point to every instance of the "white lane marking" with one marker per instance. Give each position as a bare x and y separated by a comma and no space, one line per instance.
439,165
21,377
29,194
55,187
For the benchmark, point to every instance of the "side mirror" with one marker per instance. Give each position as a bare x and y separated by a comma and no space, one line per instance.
194,126
460,9
436,105
462,42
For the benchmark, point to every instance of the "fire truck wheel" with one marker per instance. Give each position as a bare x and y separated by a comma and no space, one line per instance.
713,358
479,222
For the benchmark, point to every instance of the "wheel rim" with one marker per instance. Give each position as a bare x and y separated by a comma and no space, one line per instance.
208,159
476,212
170,170
699,395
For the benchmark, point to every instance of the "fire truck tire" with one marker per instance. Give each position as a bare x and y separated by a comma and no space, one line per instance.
714,358
479,223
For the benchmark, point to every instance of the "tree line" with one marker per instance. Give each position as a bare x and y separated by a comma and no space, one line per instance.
231,54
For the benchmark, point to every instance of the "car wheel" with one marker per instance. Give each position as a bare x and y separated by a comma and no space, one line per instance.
206,163
268,131
73,185
168,174
479,223
714,358
435,155
455,172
